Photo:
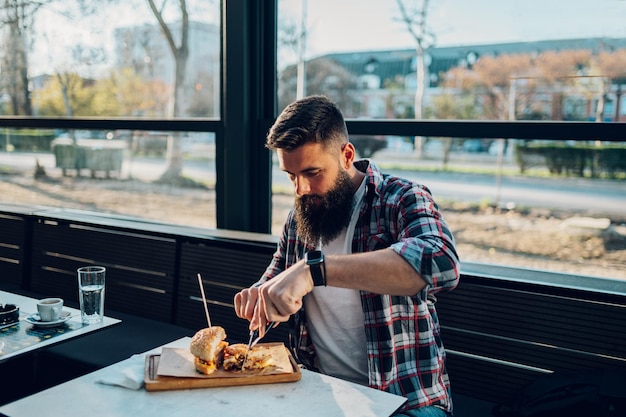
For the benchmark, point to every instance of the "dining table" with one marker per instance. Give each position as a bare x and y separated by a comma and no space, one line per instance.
29,335
120,390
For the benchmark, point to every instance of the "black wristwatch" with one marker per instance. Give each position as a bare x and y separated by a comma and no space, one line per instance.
315,261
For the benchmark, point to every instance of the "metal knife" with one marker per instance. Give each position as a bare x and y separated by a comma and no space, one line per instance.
255,338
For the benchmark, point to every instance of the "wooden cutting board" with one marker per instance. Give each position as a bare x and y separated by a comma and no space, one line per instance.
155,382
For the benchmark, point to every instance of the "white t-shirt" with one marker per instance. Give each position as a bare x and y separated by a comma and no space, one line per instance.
335,316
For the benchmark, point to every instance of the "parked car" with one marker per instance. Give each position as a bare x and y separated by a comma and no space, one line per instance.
476,145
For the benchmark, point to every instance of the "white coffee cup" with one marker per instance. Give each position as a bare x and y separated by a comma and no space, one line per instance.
50,309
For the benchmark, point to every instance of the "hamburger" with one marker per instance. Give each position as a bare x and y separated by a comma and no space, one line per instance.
234,355
258,359
207,347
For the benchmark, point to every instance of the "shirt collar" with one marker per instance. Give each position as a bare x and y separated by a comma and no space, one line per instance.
373,176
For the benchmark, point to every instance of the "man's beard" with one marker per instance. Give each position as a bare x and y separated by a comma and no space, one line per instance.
322,218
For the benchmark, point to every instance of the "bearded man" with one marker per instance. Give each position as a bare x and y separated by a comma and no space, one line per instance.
357,267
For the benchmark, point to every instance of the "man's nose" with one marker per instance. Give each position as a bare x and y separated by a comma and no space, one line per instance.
303,187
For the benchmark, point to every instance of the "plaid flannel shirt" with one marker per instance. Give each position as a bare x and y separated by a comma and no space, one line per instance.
405,352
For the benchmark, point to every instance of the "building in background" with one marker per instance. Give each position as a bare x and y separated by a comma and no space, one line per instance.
145,50
383,83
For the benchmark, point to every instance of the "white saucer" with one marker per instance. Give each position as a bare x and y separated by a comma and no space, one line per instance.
36,321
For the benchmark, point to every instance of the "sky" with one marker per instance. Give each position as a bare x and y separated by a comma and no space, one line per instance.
345,25
357,25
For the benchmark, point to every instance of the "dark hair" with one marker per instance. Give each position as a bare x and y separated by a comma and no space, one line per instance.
311,119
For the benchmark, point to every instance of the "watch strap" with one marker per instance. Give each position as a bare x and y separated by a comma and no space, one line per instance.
318,270
318,273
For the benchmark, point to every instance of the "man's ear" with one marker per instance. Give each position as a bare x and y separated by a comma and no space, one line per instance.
348,153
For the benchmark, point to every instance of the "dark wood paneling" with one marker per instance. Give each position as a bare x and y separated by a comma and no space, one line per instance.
12,241
500,335
526,315
495,383
140,267
225,268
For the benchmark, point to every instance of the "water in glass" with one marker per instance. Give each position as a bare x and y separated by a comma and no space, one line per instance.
91,291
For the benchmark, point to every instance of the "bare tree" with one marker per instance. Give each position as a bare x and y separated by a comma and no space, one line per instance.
451,107
301,88
324,76
180,53
611,64
293,37
415,19
17,17
68,79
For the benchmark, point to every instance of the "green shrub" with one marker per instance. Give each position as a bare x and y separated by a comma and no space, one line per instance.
580,160
27,139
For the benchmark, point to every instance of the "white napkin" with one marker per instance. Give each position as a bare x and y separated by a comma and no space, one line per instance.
128,374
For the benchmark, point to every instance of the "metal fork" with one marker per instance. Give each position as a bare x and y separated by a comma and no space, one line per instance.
254,335
255,338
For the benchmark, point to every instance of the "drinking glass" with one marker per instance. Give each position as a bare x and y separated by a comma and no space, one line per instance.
91,293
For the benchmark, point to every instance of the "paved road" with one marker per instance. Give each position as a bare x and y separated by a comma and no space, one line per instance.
597,197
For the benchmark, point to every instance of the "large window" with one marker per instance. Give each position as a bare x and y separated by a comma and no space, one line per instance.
111,61
511,202
128,112
513,60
